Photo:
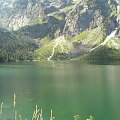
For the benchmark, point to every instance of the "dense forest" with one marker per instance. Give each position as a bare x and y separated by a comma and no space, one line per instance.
13,48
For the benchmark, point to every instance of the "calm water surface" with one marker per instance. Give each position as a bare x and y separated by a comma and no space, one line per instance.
67,88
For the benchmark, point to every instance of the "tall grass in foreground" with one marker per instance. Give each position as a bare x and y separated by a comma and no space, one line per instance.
37,113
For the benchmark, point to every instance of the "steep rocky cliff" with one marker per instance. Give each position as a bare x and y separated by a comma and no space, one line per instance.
23,13
20,13
89,14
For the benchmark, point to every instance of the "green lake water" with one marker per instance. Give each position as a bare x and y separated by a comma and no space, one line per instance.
69,88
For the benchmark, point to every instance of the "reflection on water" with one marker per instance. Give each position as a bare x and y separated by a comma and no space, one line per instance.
67,88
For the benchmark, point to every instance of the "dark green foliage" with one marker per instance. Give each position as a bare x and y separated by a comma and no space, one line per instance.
15,49
103,55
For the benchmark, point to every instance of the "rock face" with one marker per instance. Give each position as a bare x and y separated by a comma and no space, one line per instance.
85,14
24,12
89,14
56,3
52,28
20,13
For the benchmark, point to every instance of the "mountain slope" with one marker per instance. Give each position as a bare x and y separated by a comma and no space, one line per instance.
28,12
65,29
14,48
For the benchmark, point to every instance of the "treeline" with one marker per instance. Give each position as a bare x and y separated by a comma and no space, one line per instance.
13,48
103,55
